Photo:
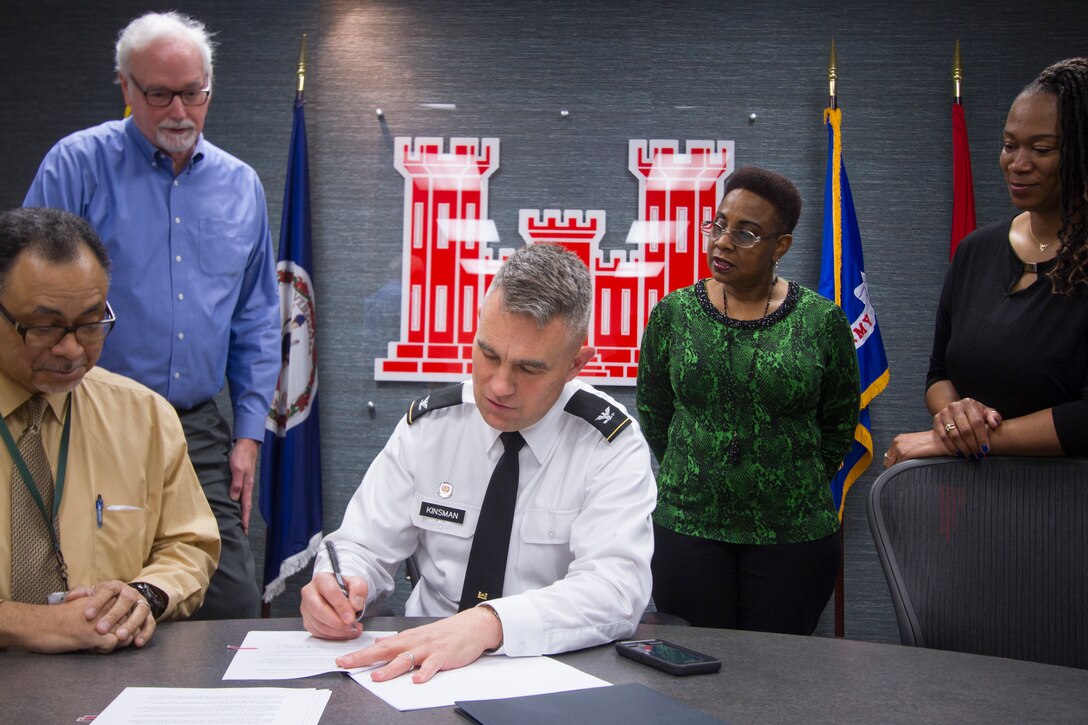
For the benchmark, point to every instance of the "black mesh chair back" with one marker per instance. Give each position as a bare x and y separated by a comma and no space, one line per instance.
989,558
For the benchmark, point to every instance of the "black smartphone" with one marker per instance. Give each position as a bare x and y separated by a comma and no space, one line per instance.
668,657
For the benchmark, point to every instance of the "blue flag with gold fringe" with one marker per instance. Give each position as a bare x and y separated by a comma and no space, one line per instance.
842,279
291,454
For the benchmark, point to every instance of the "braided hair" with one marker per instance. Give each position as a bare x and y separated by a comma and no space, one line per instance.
1067,80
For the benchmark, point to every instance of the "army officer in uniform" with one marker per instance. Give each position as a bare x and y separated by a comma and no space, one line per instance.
568,564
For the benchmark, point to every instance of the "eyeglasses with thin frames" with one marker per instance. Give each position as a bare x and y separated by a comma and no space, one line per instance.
161,98
740,237
40,337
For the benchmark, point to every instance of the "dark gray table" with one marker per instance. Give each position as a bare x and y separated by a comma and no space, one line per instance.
765,678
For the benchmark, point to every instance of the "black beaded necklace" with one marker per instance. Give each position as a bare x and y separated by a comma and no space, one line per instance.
733,453
766,308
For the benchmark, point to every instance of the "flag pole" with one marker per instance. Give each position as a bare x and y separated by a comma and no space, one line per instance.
840,580
963,188
832,76
957,74
302,66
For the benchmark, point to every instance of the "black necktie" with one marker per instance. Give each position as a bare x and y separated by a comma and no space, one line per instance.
491,542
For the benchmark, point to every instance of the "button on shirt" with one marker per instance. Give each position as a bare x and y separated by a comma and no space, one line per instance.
578,572
193,279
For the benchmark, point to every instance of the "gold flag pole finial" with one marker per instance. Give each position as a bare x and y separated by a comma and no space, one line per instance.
302,65
957,72
832,76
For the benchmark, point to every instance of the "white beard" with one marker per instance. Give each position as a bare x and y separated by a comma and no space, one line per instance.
175,140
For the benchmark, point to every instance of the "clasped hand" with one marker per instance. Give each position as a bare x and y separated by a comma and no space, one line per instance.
103,617
961,428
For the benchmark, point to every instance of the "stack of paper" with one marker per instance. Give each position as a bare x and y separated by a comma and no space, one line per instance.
288,655
285,655
215,706
485,678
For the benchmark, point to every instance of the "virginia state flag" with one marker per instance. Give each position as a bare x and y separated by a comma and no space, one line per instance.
291,454
842,279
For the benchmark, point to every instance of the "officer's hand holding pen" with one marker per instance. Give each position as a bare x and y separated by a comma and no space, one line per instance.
335,561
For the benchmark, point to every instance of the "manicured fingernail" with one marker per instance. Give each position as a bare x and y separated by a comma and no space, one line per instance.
985,448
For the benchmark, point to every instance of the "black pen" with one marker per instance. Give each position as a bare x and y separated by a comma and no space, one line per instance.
339,576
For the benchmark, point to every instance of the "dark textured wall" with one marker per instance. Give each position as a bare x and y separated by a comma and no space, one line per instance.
675,70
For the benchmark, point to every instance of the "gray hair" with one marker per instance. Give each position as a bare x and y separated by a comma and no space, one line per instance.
547,281
146,29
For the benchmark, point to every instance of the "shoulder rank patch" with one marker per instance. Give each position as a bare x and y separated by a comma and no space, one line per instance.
441,398
599,413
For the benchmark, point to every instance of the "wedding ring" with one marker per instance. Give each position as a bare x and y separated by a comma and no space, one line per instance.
885,456
949,427
138,603
411,660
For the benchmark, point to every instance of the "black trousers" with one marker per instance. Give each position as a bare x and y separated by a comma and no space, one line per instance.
767,588
233,592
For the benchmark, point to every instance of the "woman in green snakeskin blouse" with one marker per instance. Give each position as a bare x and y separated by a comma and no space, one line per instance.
748,395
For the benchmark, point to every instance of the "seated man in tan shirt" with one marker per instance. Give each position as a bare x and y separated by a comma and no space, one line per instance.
112,531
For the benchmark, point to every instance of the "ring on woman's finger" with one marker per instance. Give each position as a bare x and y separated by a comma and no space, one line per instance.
949,427
411,660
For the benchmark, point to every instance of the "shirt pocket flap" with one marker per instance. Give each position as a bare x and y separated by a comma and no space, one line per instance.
541,526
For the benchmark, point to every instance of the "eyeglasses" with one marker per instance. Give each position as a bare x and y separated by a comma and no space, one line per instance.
44,336
741,237
161,98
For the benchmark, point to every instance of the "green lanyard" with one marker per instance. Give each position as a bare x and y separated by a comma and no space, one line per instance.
28,480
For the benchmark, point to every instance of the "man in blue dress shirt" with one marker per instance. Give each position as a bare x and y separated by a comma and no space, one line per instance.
186,225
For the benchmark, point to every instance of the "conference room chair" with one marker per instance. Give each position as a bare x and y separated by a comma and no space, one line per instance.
989,557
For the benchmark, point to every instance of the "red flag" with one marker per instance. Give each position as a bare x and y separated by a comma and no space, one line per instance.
963,188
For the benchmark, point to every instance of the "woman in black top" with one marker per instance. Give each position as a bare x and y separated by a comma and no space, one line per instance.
1009,369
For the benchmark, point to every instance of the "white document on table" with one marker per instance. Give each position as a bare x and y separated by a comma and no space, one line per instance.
216,706
487,678
289,655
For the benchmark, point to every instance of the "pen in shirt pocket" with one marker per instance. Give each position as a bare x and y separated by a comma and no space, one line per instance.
99,507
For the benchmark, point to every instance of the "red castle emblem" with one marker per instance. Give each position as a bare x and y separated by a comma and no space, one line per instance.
447,265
